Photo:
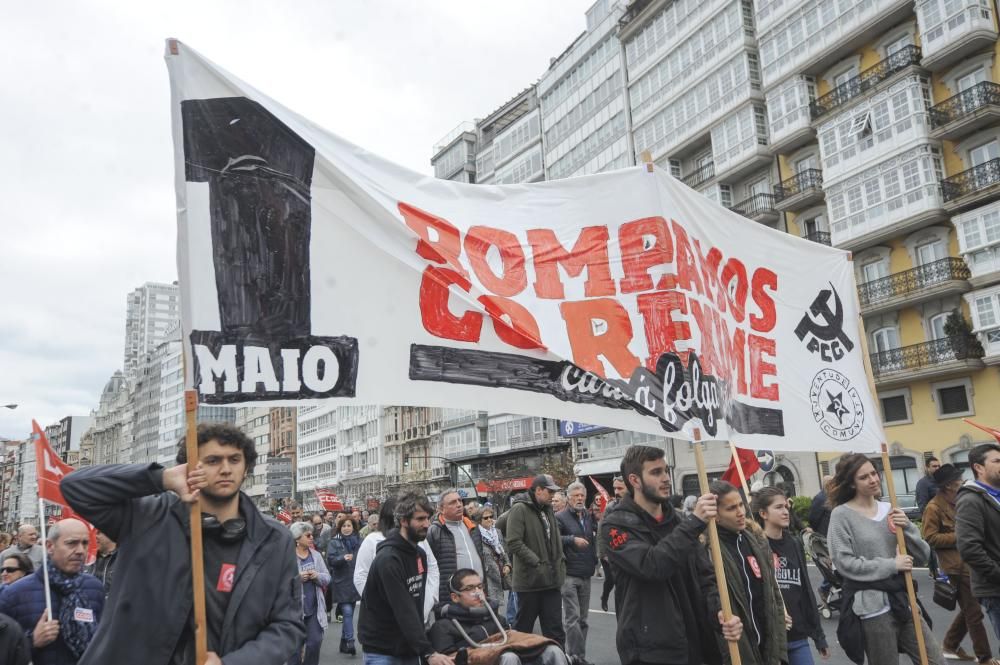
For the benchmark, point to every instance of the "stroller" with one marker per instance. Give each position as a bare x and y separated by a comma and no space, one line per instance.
829,601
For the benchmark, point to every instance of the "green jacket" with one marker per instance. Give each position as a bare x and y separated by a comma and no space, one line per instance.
776,643
536,552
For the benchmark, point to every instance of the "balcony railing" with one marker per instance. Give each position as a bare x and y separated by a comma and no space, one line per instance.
926,355
758,204
866,80
802,181
915,279
985,93
822,237
975,179
703,174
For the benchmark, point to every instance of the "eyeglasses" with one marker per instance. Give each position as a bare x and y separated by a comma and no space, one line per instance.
308,535
472,587
10,570
487,517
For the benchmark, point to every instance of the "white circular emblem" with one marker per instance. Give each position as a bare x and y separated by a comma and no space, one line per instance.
836,405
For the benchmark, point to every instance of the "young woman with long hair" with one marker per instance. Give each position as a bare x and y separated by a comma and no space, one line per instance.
876,617
771,510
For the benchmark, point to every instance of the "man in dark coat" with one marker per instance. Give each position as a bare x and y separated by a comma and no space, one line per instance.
535,545
977,528
253,596
455,541
665,591
77,599
579,544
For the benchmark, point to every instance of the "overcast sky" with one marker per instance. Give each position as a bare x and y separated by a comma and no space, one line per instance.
86,175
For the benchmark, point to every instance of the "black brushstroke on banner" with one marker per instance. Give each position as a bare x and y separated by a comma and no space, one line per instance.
259,174
305,367
673,394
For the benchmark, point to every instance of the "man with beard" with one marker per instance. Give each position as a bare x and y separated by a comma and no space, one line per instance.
977,528
77,599
252,595
391,625
665,591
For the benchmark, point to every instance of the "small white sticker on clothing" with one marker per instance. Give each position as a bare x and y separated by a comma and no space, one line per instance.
81,614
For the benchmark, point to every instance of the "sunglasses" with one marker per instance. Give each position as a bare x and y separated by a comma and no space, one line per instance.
487,517
10,570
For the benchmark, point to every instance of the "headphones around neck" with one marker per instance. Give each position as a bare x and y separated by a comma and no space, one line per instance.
230,531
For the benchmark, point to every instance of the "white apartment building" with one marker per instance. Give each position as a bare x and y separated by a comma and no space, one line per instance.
509,147
151,310
255,421
316,451
584,115
112,422
360,454
455,154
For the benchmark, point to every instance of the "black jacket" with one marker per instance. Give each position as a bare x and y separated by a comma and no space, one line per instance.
477,623
151,601
534,545
104,569
579,562
977,526
819,514
392,605
850,634
665,590
14,646
442,543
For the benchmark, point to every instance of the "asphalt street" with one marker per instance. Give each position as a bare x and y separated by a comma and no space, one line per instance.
601,640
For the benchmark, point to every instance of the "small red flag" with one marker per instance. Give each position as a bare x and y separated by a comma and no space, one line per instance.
284,517
991,430
602,495
749,462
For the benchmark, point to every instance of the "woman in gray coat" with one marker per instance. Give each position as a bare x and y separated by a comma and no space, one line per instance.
314,575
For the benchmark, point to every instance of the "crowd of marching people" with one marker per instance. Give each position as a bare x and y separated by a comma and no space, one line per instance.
452,584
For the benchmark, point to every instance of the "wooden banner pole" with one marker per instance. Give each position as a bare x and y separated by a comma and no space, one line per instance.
891,486
197,557
716,549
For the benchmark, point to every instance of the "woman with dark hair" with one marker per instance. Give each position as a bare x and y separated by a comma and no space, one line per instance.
753,589
366,554
876,621
341,553
771,510
15,566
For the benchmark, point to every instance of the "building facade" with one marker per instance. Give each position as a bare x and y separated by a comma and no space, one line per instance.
151,310
255,421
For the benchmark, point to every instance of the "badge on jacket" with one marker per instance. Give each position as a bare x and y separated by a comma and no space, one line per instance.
226,576
618,538
83,615
752,560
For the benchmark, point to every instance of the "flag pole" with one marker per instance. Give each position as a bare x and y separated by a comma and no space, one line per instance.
45,557
891,486
713,542
197,558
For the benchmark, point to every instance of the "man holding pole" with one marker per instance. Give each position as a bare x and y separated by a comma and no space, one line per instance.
665,590
58,606
252,600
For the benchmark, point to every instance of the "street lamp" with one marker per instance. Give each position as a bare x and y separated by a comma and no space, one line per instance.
406,463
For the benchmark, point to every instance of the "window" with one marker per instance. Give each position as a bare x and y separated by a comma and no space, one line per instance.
875,270
761,186
896,407
806,163
930,252
984,153
953,398
972,78
811,226
897,45
936,326
861,125
844,76
986,311
885,339
675,168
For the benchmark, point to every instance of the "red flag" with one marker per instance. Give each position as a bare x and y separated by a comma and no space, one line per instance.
749,462
602,495
50,471
329,500
284,517
994,432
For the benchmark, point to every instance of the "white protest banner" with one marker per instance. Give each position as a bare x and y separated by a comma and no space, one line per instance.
311,269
